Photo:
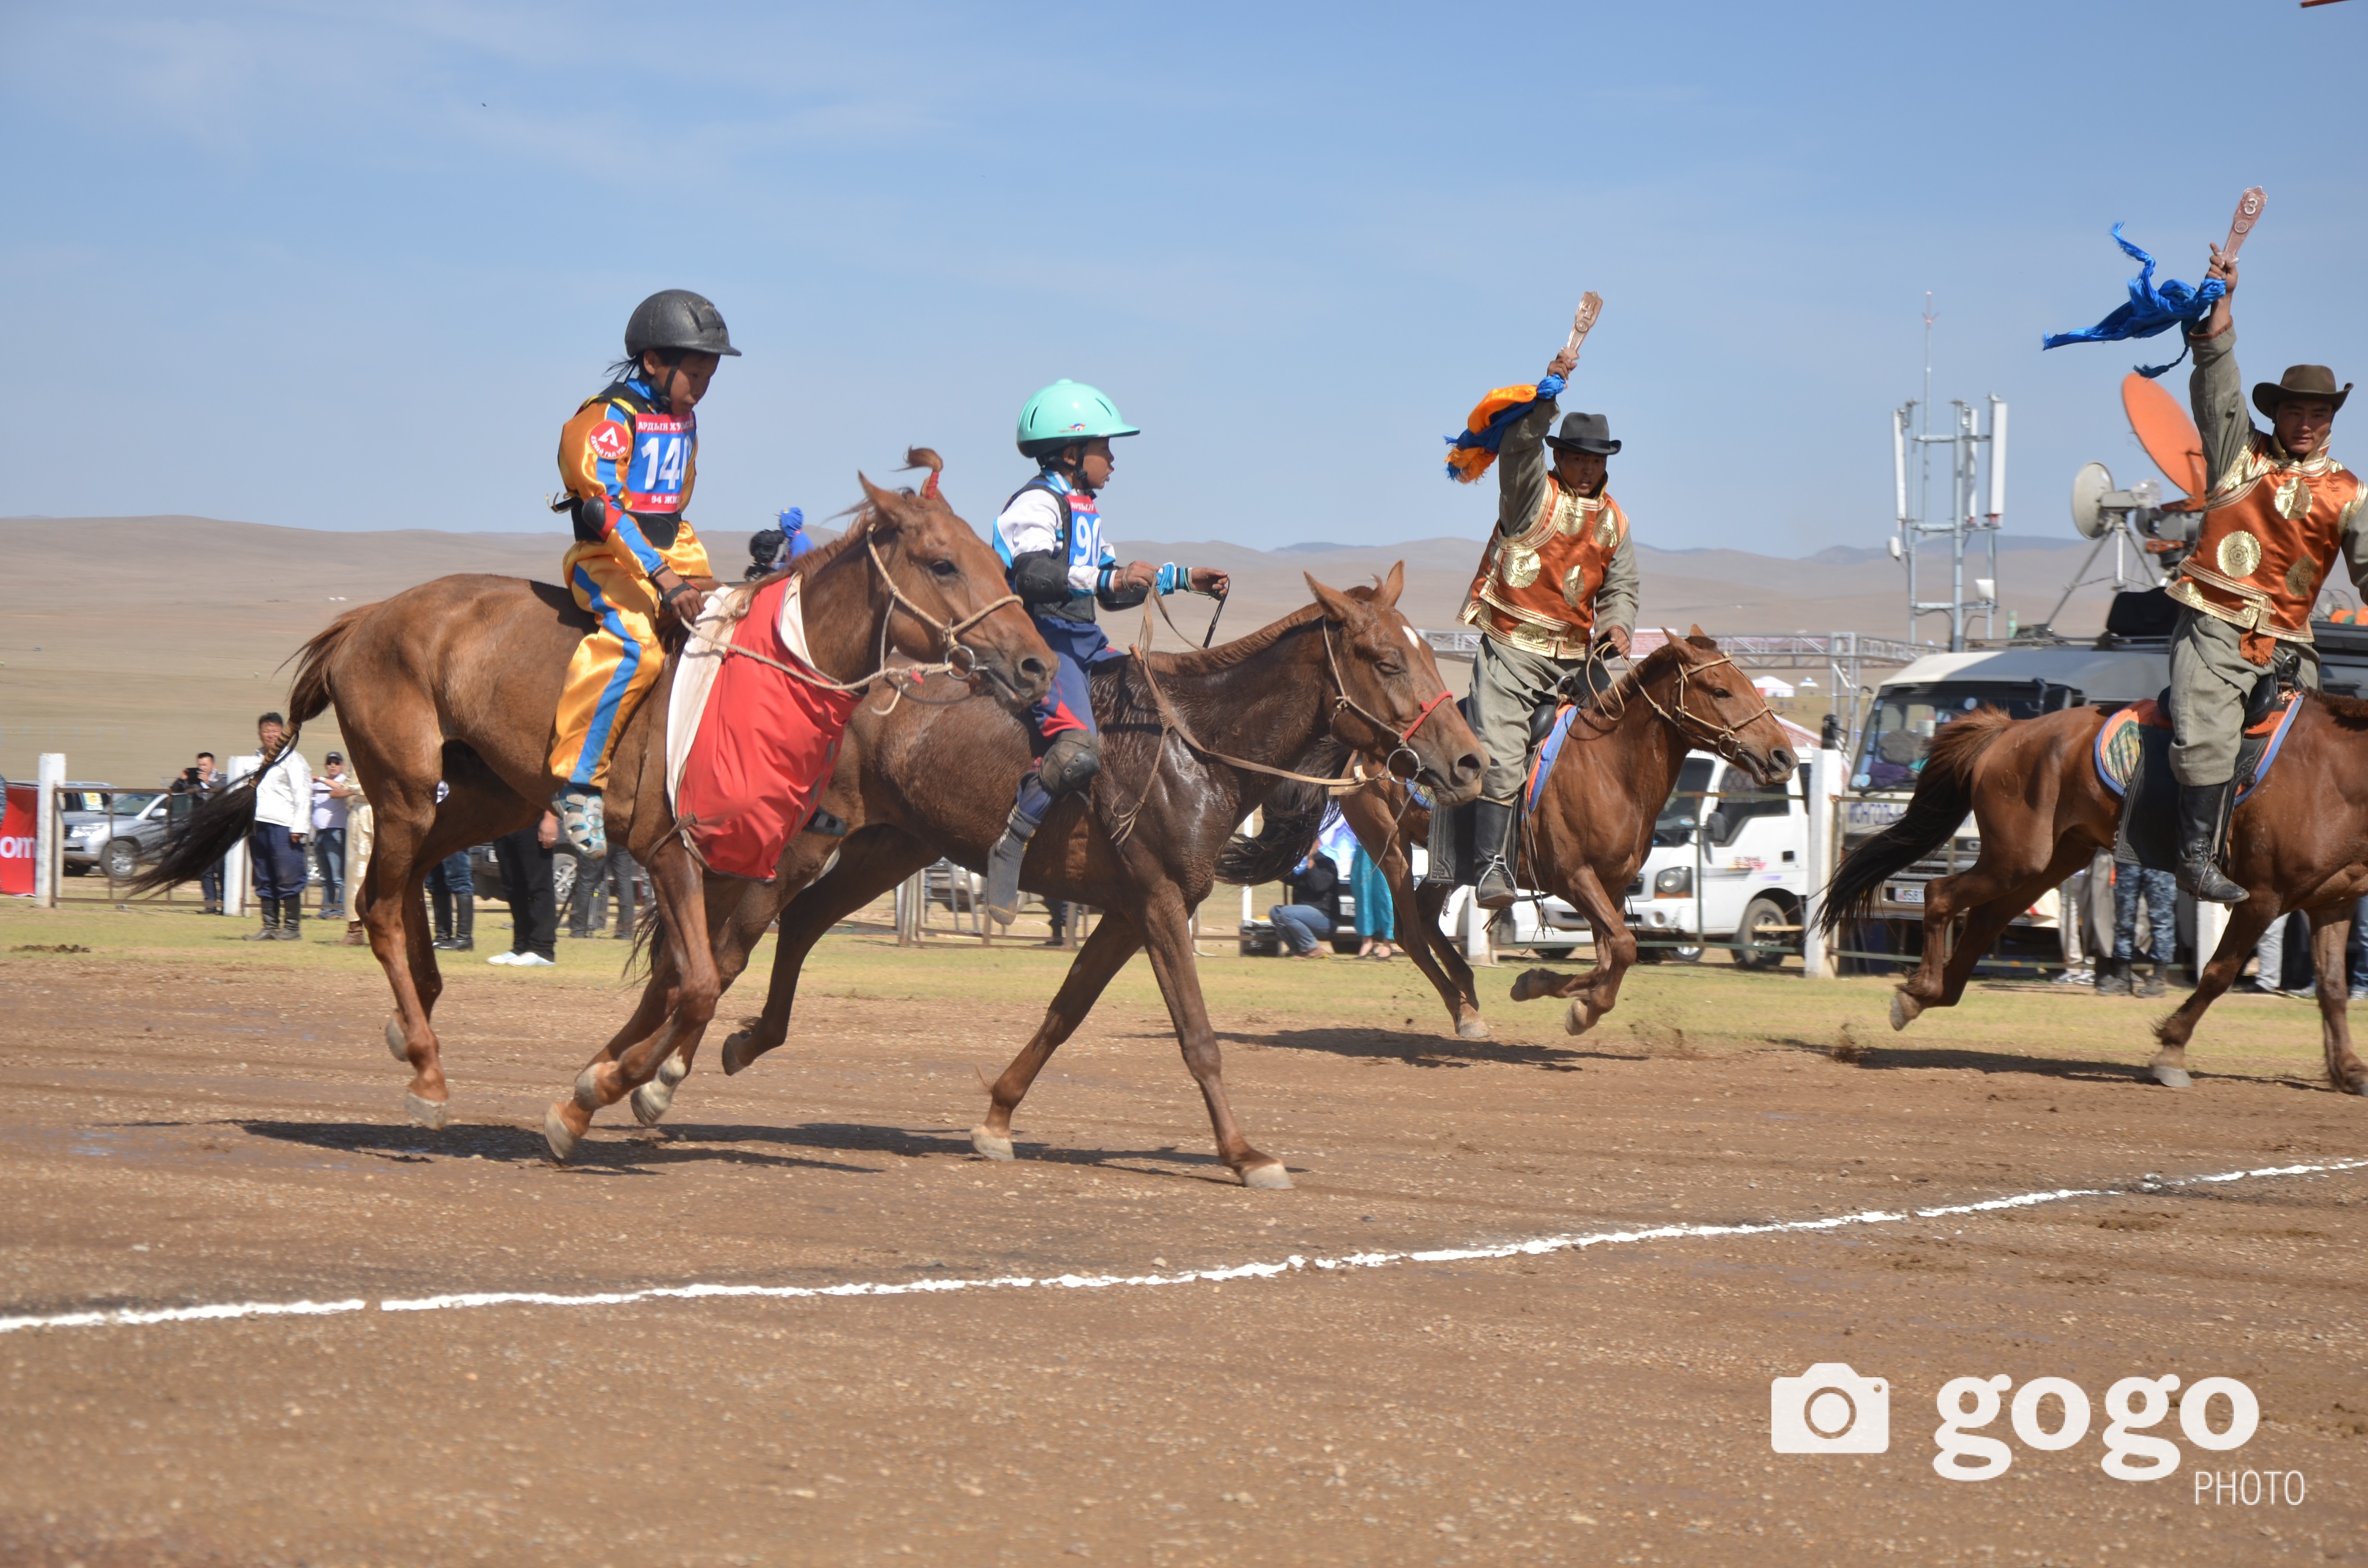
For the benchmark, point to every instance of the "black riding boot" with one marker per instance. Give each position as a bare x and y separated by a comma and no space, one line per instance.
439,902
2153,984
2112,977
2202,826
291,919
465,922
1492,842
270,930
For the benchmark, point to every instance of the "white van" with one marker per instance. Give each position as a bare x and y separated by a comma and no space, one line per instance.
1729,863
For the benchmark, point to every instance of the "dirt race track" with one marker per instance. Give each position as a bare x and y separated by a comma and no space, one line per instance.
190,1121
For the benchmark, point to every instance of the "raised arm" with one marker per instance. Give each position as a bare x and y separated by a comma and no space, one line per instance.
2215,389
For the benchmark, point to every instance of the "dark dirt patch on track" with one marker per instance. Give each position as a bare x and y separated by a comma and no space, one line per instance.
211,1131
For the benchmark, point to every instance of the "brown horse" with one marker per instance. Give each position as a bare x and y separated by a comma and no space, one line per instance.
457,682
1593,824
1188,753
2300,842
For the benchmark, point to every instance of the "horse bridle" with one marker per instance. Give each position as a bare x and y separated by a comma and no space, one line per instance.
1402,739
1698,732
948,631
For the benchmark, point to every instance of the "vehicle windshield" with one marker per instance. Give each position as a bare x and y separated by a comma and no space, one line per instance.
1899,730
122,803
1683,808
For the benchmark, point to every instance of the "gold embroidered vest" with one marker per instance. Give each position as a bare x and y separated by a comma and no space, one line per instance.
1537,589
2271,531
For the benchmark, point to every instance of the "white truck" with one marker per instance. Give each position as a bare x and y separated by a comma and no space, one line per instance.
1729,863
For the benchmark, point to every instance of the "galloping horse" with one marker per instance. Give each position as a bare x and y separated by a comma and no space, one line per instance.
456,682
1592,824
2300,842
1191,745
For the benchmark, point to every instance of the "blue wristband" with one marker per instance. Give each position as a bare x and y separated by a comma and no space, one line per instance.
1172,578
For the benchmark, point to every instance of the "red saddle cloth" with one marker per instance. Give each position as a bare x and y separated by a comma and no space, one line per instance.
762,742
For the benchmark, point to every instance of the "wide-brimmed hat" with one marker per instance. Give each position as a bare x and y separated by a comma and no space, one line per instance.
1585,433
2316,382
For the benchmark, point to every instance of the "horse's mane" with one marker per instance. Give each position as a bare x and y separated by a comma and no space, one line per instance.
2350,713
1225,655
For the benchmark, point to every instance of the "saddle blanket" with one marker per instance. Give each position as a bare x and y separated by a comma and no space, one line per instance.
2133,759
1544,766
749,747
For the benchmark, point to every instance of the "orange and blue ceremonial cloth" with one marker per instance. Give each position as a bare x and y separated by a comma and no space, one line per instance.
1473,451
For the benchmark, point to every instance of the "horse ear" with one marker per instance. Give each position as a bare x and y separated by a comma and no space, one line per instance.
1387,595
882,503
1699,638
1338,607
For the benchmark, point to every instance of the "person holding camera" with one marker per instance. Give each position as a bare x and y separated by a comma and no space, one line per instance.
1307,922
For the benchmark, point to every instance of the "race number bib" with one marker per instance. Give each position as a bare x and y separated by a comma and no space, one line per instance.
660,465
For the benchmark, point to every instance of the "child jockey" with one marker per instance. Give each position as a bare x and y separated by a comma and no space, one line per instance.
1050,536
629,458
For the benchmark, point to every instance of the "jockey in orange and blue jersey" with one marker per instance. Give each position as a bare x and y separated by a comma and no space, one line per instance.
629,458
1050,536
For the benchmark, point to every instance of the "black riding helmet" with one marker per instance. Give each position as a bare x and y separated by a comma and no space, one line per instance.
677,319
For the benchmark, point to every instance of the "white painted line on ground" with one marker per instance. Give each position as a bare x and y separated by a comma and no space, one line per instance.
1537,1246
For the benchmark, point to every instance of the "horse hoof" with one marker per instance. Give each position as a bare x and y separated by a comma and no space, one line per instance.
555,1133
2172,1077
993,1146
2353,1086
431,1114
736,1051
1271,1176
394,1045
1581,1018
651,1102
1473,1028
674,1070
1904,1009
1533,982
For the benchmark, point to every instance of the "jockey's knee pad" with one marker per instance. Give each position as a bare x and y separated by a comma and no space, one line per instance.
1071,761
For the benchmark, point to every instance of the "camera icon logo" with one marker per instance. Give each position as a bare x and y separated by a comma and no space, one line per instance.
1830,1409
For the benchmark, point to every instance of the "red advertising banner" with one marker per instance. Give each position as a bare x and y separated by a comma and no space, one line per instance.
17,840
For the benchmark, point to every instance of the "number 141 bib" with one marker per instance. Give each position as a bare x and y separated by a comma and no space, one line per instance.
660,464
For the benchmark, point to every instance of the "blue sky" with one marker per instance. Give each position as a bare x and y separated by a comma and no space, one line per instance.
342,265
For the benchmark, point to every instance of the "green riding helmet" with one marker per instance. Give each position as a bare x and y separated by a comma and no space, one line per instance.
1068,412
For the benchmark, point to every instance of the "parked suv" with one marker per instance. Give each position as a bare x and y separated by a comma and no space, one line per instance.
118,841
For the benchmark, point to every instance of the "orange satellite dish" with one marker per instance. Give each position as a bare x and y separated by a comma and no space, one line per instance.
2165,432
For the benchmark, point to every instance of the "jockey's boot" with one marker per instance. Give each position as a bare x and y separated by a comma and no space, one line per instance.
2112,977
2153,984
269,931
1440,867
2203,810
1492,842
581,822
1003,865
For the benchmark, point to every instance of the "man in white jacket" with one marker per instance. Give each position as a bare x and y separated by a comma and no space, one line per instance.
275,846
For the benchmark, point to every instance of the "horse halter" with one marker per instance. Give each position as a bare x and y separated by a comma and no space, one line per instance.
1403,740
1721,738
948,631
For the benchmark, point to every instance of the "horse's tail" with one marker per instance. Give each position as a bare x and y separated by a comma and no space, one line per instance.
311,693
1944,794
219,823
1294,815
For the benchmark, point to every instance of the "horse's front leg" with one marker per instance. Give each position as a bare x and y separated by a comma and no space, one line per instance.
2246,921
737,926
676,883
2330,943
1112,942
1597,991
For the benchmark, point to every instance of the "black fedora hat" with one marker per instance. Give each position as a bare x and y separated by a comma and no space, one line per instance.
1585,433
2314,383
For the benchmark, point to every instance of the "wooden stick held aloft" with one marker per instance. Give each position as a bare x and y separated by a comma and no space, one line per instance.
1590,306
2249,207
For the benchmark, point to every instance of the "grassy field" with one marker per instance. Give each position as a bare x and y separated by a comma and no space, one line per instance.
1671,1010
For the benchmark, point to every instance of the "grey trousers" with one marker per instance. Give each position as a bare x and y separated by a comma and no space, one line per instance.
2210,681
1508,685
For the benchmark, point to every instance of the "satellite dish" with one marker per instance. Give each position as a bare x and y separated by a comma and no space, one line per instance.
2165,432
2089,490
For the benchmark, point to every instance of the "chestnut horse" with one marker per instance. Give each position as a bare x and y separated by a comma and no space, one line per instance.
2299,842
457,682
1593,824
1187,754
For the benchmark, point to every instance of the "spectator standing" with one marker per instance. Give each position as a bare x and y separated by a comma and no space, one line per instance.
359,833
2356,951
526,862
1377,919
1307,923
1056,911
452,896
275,846
2133,882
587,901
201,780
332,794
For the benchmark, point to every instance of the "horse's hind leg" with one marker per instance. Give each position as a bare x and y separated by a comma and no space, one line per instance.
1165,925
2330,941
1112,942
396,918
1985,925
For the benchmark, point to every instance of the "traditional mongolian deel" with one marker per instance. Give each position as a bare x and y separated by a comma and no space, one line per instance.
749,746
2270,531
1536,590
